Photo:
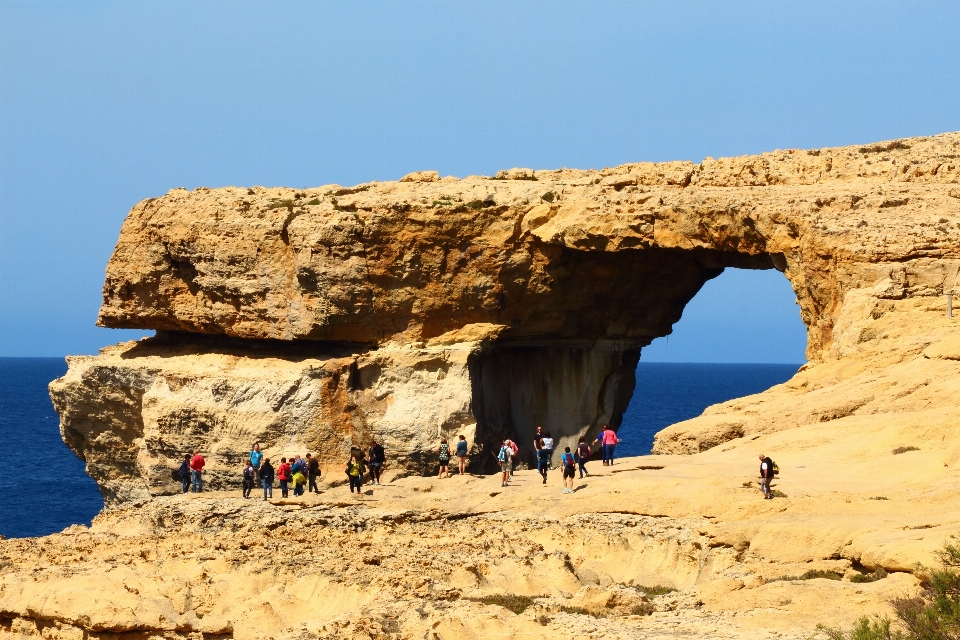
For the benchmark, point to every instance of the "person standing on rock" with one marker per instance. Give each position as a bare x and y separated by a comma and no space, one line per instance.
185,474
256,459
313,472
248,478
583,456
298,475
283,475
266,478
543,460
377,457
505,457
196,471
444,451
354,473
569,470
547,445
766,475
608,442
462,454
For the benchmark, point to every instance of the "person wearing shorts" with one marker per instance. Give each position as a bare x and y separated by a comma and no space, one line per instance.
506,461
569,470
462,454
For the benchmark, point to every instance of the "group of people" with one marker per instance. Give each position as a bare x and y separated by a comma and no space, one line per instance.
571,462
300,474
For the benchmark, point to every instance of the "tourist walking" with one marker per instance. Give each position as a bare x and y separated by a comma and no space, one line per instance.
256,459
462,454
313,472
546,443
608,442
248,478
569,470
196,471
505,456
444,451
283,475
543,461
375,463
266,478
583,456
354,473
766,475
537,445
185,474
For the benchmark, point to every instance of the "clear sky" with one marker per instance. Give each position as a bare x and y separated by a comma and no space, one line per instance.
103,104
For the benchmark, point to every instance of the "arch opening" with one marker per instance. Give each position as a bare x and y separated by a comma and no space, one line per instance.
573,369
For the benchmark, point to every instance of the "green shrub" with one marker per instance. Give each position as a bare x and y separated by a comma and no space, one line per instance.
549,196
879,574
879,498
811,575
932,615
517,604
652,592
900,450
776,493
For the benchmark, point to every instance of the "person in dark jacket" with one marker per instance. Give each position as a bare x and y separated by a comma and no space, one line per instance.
375,461
249,478
266,478
185,474
766,475
313,472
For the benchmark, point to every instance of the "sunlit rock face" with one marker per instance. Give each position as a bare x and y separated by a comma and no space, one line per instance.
430,307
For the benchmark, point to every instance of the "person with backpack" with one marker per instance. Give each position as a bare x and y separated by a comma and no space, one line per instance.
313,472
283,475
298,475
266,478
444,451
248,478
543,461
767,470
354,473
462,454
196,471
377,457
505,457
582,456
185,474
569,470
513,458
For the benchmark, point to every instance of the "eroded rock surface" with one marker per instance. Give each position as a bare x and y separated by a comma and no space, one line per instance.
429,307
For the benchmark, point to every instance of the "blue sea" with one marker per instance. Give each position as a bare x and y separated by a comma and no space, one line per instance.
44,488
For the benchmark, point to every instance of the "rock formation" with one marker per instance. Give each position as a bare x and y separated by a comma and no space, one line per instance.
431,306
414,310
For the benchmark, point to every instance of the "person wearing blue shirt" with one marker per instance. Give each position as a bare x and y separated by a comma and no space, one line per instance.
256,457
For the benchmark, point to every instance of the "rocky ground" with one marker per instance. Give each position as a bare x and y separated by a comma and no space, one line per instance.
426,557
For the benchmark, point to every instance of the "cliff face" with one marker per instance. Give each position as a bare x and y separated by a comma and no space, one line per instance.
431,307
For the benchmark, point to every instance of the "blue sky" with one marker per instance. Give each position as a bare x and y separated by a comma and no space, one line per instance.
103,104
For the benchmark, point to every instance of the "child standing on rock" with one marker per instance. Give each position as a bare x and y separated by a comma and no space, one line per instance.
248,478
354,473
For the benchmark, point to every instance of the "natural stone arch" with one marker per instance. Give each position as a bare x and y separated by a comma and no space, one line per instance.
409,307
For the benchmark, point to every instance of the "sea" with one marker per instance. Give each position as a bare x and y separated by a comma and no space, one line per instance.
44,488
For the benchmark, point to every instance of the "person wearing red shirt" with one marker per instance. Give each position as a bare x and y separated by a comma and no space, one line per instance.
196,471
283,475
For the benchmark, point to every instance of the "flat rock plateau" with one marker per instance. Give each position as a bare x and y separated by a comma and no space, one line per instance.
313,319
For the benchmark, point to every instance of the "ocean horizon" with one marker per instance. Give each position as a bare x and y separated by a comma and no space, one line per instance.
49,490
